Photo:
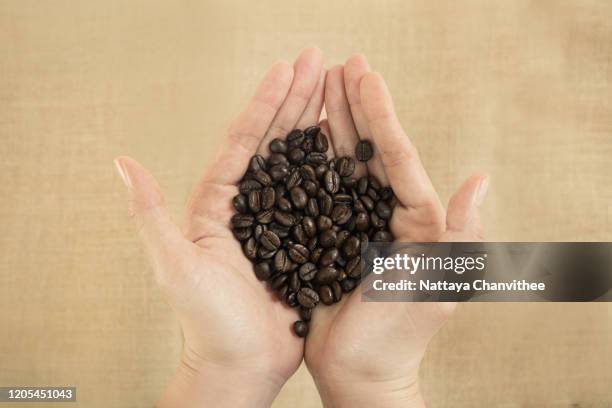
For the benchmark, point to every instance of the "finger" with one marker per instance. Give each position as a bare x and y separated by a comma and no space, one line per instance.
307,68
343,132
162,239
354,70
398,155
312,113
248,129
463,215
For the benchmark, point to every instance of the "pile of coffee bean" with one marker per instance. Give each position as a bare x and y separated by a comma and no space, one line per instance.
302,219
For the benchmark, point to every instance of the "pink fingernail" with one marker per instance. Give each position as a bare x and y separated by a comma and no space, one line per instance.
481,191
123,173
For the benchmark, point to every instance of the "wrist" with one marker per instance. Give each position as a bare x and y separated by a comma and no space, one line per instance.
205,384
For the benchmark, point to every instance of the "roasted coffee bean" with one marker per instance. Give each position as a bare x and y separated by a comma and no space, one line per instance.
316,158
324,223
376,221
278,171
250,248
263,178
308,271
257,163
279,281
283,218
327,274
299,253
294,281
307,298
362,221
326,295
386,193
311,188
283,204
312,130
312,207
265,253
321,144
299,198
351,247
263,271
332,181
312,243
258,230
320,170
341,214
364,150
280,190
373,194
308,172
292,299
308,144
341,262
281,261
277,158
347,285
296,155
345,199
353,267
329,256
294,179
337,289
270,240
242,220
247,186
368,203
383,210
241,203
305,313
309,226
281,293
326,204
316,255
345,166
382,236
341,276
327,238
341,237
242,233
299,235
280,230
255,201
374,183
295,137
300,328
265,216
278,146
362,185
268,197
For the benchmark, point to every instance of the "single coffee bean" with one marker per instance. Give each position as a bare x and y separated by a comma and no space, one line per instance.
320,170
258,230
341,214
296,155
308,271
316,158
324,223
307,298
329,256
265,253
279,281
278,146
362,185
374,183
353,267
240,203
265,216
282,292
341,276
270,240
341,237
247,186
295,137
347,285
344,199
299,198
299,253
367,202
294,179
294,282
364,150
383,210
280,230
315,255
373,194
242,233
312,130
309,226
326,204
257,163
349,182
326,275
311,188
305,313
327,238
312,207
299,235
242,220
255,201
280,190
281,261
321,144
376,221
345,166
312,244
263,271
332,181
326,295
283,204
292,299
308,172
386,193
337,289
308,144
283,218
300,328
382,236
263,178
250,248
278,171
268,197
277,158
362,221
351,247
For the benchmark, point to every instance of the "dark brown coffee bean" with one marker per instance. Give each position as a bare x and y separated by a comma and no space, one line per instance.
300,328
362,185
263,178
341,276
321,144
341,262
311,188
367,202
295,137
268,197
279,281
315,255
280,190
320,170
327,275
316,158
353,267
376,221
349,182
326,295
280,230
312,207
383,210
281,261
307,298
332,181
341,237
312,130
351,247
247,186
386,193
345,166
344,199
299,198
374,183
294,281
263,271
329,256
283,204
341,214
250,248
257,163
278,146
292,299
242,220
294,179
308,144
296,155
308,271
327,238
278,158
265,216
347,285
270,240
282,292
283,218
240,203
373,194
308,172
299,235
255,201
326,204
309,226
278,172
299,253
265,253
312,244
242,233
362,221
324,223
364,150
258,230
305,313
382,236
337,289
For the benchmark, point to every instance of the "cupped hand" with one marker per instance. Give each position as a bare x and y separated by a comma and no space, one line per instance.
368,354
238,348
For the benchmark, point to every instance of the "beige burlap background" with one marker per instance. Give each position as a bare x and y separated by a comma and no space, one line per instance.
522,89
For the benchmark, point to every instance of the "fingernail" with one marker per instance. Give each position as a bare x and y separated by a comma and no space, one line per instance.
123,173
481,191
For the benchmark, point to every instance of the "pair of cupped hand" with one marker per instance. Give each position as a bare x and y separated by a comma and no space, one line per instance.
239,349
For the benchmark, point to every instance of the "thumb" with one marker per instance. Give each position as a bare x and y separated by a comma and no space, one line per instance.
161,237
463,213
